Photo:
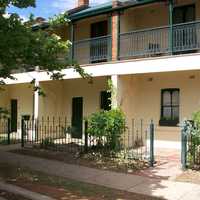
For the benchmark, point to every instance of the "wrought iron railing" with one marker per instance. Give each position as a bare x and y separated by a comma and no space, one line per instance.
92,50
144,42
186,37
182,38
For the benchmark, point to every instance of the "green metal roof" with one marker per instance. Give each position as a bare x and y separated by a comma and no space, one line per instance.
106,8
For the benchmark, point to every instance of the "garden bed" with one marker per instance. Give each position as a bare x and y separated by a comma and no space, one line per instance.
94,160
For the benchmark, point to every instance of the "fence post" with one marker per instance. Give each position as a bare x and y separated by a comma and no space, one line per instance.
183,149
9,130
152,144
86,136
22,131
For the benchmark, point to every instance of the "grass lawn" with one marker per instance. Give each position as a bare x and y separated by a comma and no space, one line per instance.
60,188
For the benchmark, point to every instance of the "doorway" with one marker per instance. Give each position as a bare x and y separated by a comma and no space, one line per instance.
185,38
99,47
13,115
77,117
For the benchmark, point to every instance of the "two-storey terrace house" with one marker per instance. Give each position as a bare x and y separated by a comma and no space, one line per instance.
150,50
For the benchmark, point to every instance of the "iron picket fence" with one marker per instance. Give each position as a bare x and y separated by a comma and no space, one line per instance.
58,134
8,135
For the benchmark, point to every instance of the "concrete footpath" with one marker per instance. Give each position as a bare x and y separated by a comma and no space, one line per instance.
166,189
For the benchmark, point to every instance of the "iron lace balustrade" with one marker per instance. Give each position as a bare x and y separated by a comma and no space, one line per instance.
93,50
157,41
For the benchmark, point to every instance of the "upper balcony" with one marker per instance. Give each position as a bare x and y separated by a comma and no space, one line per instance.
92,40
143,31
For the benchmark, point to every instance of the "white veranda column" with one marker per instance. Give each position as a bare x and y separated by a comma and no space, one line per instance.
115,85
33,136
36,101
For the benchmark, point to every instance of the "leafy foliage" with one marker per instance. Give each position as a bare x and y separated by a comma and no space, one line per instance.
47,143
22,48
3,113
192,132
107,127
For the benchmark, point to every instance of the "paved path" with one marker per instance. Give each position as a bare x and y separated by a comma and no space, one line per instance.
169,190
23,192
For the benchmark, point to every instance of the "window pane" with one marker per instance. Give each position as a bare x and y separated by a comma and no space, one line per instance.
166,98
175,112
167,112
175,98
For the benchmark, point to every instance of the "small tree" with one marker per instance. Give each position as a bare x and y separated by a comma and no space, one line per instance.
107,127
22,48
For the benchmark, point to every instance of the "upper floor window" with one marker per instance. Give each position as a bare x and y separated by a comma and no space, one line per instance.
183,14
169,107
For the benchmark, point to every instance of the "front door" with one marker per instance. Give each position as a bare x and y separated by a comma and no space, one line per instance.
77,117
14,115
184,35
99,47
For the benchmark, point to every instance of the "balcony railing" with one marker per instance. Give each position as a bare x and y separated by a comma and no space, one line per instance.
93,50
182,38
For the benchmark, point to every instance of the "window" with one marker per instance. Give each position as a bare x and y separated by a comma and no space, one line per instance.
184,14
169,107
105,100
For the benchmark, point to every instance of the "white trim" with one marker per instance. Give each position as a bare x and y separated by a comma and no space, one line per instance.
138,66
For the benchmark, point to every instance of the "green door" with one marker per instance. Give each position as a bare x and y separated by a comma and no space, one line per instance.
14,115
77,117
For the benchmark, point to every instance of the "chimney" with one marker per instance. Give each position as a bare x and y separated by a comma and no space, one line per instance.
83,3
115,3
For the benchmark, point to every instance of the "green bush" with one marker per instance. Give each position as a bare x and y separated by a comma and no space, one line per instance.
107,127
196,129
196,118
46,143
192,130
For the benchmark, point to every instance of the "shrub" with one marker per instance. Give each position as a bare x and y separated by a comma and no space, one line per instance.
108,126
46,143
196,118
192,130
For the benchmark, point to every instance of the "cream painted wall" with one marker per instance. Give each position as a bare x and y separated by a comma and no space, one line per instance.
23,93
82,32
4,97
59,94
82,28
154,15
140,98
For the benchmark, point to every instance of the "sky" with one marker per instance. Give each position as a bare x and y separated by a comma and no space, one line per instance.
48,8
